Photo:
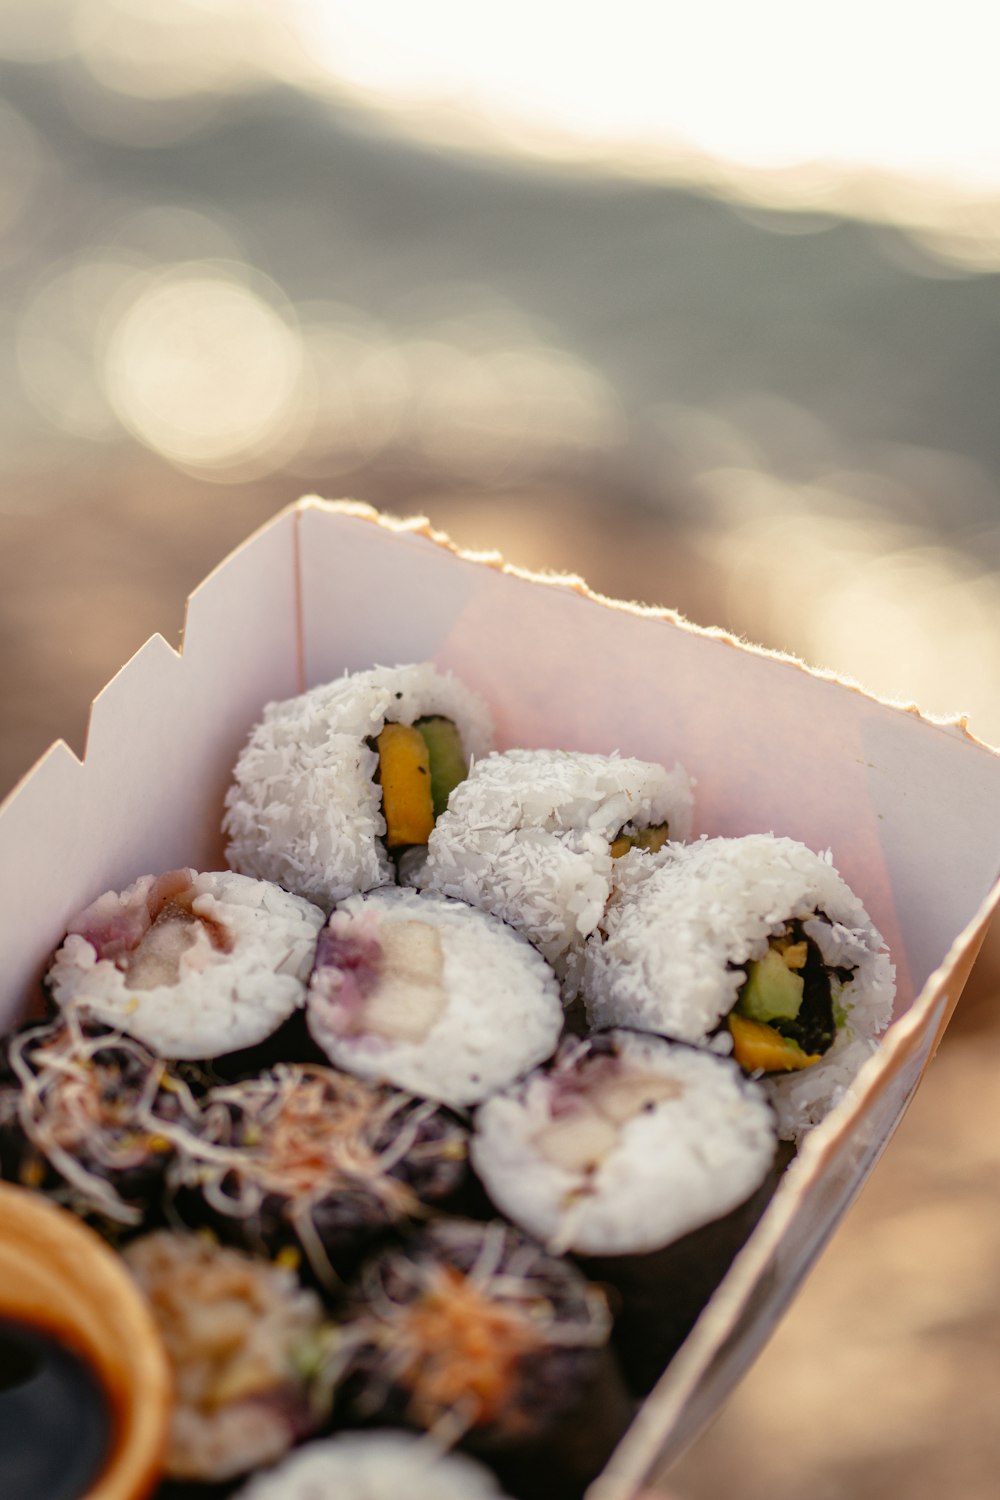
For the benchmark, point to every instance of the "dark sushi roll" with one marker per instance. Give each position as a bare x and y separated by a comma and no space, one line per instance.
194,965
90,1117
753,946
649,1160
251,1353
309,1157
475,1334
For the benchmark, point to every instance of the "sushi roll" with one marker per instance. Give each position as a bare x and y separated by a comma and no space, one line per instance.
248,1347
430,995
194,965
334,784
650,1160
308,1157
374,1466
624,1144
91,1118
472,1332
533,835
755,946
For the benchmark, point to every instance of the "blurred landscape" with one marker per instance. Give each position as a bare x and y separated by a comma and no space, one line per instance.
244,257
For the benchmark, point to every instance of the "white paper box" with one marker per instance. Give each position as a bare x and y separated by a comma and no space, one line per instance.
910,809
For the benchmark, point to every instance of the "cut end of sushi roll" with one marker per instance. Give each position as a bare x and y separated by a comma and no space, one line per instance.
532,835
241,1336
625,1144
330,782
754,944
194,965
430,995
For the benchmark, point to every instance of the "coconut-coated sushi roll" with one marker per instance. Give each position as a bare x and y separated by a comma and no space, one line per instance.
431,995
757,945
473,1332
194,965
374,1466
90,1117
533,835
624,1144
309,1157
331,784
248,1347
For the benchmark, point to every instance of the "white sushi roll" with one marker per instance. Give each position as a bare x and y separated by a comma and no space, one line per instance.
430,995
305,809
624,1145
374,1466
194,965
756,944
532,836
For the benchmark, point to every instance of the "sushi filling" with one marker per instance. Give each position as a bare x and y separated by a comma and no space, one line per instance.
320,1154
650,840
385,978
147,936
592,1097
785,1017
419,766
100,1110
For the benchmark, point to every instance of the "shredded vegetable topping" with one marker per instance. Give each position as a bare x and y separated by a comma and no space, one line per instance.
306,1134
96,1105
454,1320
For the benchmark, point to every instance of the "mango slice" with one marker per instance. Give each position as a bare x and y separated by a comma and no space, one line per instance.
404,771
650,839
756,1046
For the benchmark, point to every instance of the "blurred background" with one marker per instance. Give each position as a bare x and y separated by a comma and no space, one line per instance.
701,303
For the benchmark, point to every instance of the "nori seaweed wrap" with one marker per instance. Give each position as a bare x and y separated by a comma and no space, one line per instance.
474,1333
307,1156
91,1118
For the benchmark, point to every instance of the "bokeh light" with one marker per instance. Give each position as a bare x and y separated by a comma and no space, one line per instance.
204,368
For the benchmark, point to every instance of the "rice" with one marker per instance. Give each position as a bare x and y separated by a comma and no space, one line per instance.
430,995
194,965
625,1144
374,1466
528,837
681,928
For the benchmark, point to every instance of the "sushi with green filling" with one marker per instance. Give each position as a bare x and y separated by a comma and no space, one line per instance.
334,785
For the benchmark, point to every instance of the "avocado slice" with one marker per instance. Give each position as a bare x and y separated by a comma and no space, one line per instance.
773,991
447,758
